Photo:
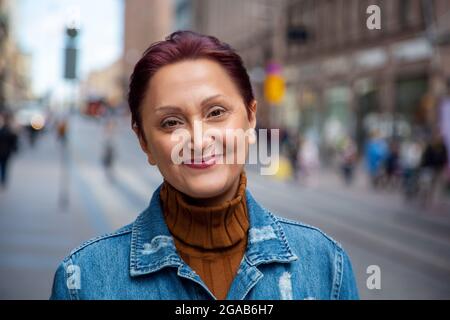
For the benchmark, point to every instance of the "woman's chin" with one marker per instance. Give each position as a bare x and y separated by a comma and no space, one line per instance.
209,184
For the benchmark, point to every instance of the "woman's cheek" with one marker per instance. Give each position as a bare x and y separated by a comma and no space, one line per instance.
171,153
235,146
161,149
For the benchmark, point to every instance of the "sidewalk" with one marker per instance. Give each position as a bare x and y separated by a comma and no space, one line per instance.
327,179
35,231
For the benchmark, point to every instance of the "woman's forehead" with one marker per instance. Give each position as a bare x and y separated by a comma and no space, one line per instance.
190,81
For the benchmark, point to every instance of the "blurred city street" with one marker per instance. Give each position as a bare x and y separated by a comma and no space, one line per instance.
356,93
411,246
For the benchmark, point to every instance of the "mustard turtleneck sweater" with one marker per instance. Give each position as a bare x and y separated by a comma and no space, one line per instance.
211,240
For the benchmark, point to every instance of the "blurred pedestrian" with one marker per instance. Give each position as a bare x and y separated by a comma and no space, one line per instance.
109,154
8,145
292,151
62,127
375,154
444,117
61,131
32,134
392,165
348,157
434,161
410,157
308,159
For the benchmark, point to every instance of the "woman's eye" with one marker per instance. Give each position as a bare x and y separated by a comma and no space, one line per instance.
169,123
216,112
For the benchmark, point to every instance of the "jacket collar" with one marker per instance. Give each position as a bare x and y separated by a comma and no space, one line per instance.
153,248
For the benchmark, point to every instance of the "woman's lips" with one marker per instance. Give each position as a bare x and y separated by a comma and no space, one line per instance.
204,163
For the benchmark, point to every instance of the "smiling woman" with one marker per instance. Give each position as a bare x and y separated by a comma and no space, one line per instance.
203,235
173,101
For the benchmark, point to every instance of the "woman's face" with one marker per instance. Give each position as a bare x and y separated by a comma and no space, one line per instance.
195,94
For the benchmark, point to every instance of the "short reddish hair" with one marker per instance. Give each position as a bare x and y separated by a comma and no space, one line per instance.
183,45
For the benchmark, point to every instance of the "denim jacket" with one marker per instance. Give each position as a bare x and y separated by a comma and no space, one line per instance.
284,260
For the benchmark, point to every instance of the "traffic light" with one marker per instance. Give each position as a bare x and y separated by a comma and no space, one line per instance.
71,53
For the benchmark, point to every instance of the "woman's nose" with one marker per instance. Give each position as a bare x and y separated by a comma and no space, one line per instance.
201,139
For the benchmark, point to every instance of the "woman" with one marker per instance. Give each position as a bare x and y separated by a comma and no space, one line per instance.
203,235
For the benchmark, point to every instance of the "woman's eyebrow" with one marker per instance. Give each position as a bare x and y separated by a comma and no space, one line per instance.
169,108
205,101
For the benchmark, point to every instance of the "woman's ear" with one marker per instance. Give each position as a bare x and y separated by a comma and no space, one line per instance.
252,121
252,113
143,144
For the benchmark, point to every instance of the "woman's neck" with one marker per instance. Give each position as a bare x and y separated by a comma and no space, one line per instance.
228,195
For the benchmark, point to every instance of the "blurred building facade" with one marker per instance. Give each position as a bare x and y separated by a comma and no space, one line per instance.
105,84
349,80
342,78
146,21
252,27
15,65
